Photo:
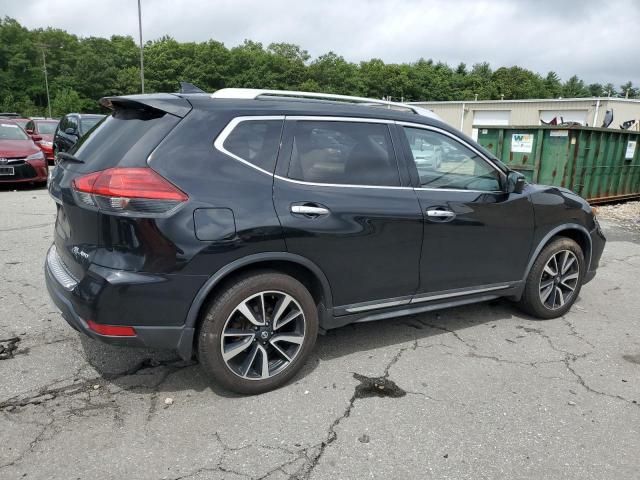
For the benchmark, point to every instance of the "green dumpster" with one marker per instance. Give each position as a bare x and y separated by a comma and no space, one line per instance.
599,164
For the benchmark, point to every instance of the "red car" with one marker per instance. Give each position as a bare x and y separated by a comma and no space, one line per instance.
41,132
21,160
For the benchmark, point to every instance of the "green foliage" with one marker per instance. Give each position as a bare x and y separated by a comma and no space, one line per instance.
82,70
66,101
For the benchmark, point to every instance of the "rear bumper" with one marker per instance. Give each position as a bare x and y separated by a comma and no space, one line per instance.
76,307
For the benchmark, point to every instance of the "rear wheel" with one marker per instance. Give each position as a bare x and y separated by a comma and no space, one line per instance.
555,279
258,333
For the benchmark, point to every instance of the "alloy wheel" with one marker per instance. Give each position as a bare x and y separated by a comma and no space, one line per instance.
263,335
559,279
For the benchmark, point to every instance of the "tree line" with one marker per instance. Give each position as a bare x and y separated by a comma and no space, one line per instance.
82,70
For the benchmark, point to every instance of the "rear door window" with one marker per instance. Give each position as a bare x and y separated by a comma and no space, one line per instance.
256,142
345,153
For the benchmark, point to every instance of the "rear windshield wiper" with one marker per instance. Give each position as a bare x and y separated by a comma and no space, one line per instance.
68,157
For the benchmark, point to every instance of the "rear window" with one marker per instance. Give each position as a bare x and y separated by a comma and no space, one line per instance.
48,128
125,138
87,124
10,131
256,141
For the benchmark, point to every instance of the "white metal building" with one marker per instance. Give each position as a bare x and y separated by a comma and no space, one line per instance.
467,115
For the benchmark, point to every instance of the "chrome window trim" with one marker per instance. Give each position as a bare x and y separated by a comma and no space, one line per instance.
234,122
341,185
329,118
457,139
230,127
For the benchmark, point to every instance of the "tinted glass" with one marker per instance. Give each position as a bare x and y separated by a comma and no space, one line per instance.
256,141
88,123
72,122
46,127
125,136
10,131
442,162
350,153
29,125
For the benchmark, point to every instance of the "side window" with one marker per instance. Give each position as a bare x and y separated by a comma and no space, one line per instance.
29,125
442,162
62,126
352,153
256,141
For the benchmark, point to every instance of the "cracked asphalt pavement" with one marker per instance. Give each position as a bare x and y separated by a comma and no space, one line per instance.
475,392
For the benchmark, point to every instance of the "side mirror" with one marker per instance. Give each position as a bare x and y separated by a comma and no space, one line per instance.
70,131
36,138
515,182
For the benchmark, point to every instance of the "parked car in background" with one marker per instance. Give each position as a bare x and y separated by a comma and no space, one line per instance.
41,132
73,127
10,115
21,121
240,224
21,160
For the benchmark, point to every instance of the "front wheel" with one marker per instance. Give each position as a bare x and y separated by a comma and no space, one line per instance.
555,279
258,333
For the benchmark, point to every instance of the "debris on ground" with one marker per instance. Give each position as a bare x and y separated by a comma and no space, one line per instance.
8,346
625,214
168,401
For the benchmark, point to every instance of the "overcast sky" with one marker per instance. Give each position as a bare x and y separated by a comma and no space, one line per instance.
597,40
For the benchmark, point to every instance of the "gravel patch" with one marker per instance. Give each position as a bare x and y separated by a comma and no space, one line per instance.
626,215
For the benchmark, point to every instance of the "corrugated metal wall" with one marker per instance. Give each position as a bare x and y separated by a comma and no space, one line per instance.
528,112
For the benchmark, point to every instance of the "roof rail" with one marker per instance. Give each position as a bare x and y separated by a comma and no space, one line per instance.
254,93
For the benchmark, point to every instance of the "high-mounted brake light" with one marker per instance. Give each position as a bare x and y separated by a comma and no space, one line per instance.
135,191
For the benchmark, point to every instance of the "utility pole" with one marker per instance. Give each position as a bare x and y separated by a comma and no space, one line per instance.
46,79
141,51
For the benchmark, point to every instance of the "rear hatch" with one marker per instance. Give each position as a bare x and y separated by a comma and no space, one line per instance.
125,139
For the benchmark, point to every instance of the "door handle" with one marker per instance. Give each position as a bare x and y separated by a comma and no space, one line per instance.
440,213
309,210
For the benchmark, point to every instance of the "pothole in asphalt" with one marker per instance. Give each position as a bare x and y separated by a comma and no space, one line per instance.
377,387
8,346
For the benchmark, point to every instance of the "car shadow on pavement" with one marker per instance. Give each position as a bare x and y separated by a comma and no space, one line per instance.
23,186
155,371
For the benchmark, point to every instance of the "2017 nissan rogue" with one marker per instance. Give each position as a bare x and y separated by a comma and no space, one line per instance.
237,226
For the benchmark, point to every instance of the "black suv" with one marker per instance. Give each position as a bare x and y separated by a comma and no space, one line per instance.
239,225
72,128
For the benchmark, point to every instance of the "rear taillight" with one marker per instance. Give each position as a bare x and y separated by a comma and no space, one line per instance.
134,191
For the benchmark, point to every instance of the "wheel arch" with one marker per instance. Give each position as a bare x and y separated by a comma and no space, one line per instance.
575,232
304,270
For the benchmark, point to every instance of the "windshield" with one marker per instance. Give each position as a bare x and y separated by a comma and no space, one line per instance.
9,131
48,128
88,123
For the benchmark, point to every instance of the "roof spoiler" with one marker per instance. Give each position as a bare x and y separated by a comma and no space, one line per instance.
164,102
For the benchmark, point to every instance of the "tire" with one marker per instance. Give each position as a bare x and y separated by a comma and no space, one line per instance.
547,295
286,344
